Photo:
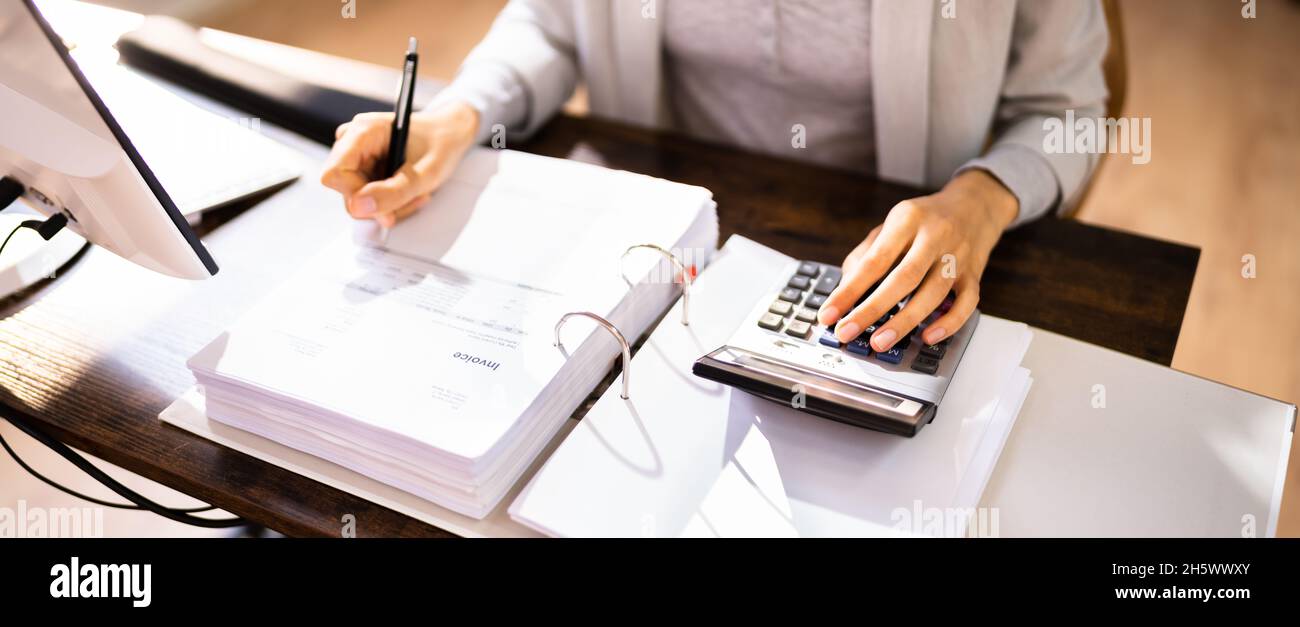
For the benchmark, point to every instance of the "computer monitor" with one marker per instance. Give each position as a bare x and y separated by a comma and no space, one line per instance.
58,139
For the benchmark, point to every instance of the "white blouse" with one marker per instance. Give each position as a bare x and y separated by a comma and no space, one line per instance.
790,78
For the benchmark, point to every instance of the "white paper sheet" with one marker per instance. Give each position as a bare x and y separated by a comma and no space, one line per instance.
189,413
556,225
404,347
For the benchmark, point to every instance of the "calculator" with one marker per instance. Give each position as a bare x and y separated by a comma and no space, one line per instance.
781,353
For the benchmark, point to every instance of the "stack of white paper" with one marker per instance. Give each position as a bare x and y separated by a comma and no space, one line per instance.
688,456
424,359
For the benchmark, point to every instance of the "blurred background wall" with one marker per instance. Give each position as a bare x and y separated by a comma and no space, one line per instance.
447,29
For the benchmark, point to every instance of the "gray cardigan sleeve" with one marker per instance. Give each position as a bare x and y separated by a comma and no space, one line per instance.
524,69
1054,66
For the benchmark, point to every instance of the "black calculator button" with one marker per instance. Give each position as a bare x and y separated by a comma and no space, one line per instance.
805,314
780,308
809,269
771,321
903,343
928,365
933,351
799,282
798,329
791,294
828,339
827,283
815,301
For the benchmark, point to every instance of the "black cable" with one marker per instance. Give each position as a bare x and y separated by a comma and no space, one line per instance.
78,494
127,493
47,229
9,237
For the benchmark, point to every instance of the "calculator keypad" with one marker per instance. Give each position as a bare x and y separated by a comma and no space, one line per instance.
793,313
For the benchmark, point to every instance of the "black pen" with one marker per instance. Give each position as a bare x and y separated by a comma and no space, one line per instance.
402,113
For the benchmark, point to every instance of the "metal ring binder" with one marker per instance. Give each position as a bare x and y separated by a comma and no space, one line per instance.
686,277
618,335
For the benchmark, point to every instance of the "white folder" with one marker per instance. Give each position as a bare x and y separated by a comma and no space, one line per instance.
687,456
1109,445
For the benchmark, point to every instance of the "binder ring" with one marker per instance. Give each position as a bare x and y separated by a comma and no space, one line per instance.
618,335
686,276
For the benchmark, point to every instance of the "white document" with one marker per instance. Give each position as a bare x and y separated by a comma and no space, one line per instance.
406,348
189,412
552,224
425,357
687,456
750,498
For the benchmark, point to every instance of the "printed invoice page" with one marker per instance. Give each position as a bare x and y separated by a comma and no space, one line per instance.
441,333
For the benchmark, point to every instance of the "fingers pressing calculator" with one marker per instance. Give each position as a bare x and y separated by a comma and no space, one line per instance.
781,353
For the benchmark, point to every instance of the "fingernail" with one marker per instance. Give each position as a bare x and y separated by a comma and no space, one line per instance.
884,339
387,220
934,335
847,331
365,206
829,314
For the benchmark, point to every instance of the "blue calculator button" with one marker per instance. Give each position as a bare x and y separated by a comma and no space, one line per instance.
829,339
893,355
859,346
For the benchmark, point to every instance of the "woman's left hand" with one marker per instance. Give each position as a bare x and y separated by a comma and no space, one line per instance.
943,241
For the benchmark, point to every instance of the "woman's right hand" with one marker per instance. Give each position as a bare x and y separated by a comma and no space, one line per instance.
435,146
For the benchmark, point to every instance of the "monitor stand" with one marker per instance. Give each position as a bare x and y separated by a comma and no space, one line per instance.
28,258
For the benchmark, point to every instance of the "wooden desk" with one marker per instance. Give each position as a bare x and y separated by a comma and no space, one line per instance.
95,354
